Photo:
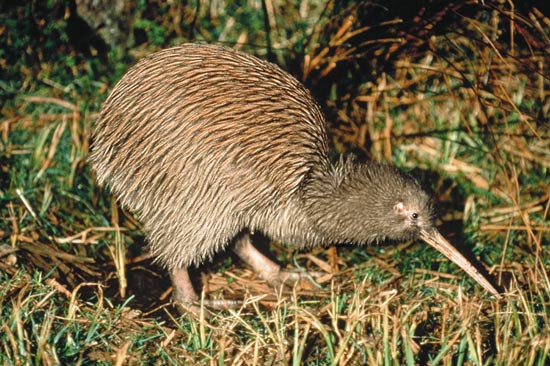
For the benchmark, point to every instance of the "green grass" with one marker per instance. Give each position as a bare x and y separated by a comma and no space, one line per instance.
460,97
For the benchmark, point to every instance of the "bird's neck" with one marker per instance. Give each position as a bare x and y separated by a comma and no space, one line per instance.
334,210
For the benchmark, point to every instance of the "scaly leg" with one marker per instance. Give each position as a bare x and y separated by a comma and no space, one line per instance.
186,298
265,267
183,287
184,294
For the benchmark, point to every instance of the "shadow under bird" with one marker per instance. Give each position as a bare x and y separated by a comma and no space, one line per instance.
207,144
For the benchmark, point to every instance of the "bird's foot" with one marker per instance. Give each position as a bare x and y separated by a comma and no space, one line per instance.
187,301
289,277
267,269
204,309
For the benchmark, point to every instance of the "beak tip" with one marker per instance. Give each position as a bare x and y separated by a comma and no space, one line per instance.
435,239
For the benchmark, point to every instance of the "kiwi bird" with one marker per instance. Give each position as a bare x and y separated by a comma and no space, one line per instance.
207,144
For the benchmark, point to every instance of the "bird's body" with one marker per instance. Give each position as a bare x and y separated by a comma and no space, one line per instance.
206,143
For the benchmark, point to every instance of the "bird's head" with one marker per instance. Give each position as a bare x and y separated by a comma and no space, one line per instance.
366,203
406,210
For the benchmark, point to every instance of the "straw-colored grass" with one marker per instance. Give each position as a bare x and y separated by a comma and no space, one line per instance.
459,95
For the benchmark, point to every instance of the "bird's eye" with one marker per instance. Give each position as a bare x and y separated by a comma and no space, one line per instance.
414,215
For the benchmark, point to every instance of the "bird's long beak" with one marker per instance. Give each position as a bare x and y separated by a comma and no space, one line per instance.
436,240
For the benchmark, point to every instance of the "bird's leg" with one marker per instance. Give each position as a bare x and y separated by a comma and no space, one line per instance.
183,287
186,299
265,267
183,293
